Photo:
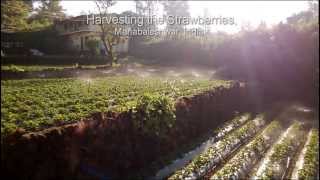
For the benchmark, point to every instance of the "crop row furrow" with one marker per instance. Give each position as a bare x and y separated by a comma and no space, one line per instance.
199,166
218,134
243,161
276,162
307,164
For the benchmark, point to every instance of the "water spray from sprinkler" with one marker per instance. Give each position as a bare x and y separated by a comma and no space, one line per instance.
88,81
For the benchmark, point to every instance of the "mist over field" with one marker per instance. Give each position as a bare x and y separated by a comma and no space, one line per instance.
159,89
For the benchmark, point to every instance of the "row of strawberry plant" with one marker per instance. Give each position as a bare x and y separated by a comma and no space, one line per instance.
219,133
311,158
40,103
243,161
199,166
275,164
231,125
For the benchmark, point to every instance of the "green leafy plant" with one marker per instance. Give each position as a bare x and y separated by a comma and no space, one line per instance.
154,114
51,101
281,151
311,158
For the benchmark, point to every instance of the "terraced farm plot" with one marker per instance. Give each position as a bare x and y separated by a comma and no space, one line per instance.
270,154
37,104
242,162
247,146
308,162
202,164
218,134
277,160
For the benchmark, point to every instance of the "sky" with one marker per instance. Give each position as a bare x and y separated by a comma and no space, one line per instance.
253,12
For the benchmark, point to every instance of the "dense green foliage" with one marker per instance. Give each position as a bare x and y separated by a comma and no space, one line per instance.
154,114
311,158
48,11
20,15
36,104
14,15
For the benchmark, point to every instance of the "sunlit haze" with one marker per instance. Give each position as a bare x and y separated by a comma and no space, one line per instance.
160,89
244,12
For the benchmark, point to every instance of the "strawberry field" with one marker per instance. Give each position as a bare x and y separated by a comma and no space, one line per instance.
37,104
192,129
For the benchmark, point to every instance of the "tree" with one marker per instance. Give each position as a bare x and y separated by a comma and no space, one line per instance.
146,9
176,8
49,11
314,8
14,15
108,37
140,9
307,18
150,7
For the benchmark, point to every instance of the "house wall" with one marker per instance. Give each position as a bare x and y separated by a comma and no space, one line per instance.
74,30
75,41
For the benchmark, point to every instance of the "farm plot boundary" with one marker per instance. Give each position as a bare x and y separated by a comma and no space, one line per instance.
107,143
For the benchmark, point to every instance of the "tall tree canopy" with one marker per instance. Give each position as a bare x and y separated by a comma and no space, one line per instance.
108,38
19,15
14,15
176,8
47,13
146,7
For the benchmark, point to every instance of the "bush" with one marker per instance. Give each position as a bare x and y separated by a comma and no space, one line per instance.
154,114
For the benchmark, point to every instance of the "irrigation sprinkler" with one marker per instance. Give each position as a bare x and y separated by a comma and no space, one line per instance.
88,81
